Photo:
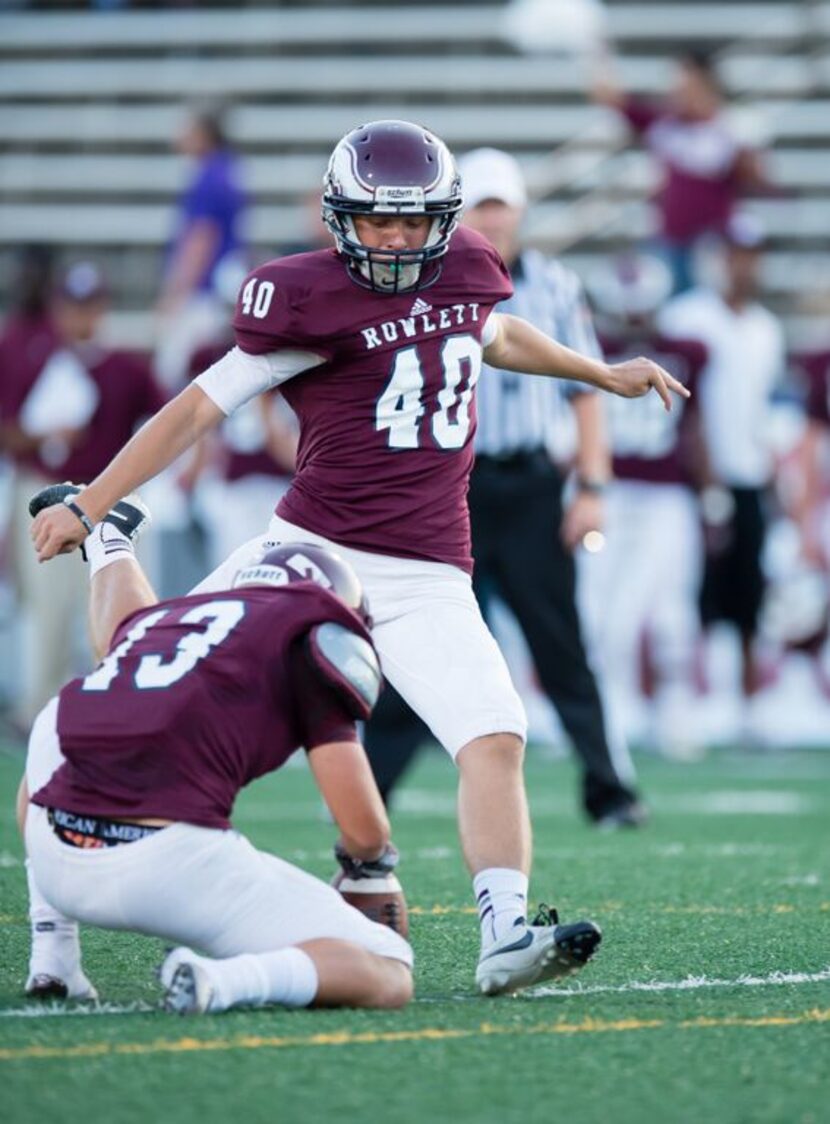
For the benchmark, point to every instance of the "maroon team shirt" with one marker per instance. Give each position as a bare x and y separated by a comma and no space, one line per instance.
26,343
700,168
197,697
814,367
387,421
127,394
648,442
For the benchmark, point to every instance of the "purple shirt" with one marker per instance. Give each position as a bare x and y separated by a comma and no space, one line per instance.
197,697
648,442
214,194
699,162
387,422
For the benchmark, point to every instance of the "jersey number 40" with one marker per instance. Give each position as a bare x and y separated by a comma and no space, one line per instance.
401,406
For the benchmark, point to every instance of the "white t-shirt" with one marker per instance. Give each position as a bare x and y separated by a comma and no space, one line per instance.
746,359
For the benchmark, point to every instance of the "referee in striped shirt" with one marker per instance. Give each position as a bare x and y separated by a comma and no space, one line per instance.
523,535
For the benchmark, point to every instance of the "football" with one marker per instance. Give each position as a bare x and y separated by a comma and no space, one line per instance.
380,899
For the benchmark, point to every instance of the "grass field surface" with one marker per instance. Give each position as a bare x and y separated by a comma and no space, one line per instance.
709,1000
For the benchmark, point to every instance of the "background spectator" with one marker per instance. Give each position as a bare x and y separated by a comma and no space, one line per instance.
70,403
208,241
704,167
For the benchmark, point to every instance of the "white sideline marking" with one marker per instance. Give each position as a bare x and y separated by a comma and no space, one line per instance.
691,983
58,1009
752,802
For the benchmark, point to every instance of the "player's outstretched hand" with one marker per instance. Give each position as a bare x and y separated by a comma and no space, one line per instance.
636,377
56,530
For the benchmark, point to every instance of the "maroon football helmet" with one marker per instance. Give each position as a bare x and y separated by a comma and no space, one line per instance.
392,168
285,563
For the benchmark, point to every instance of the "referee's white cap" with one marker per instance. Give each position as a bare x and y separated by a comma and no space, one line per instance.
489,173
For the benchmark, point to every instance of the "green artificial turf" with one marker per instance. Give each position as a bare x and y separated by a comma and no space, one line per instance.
730,882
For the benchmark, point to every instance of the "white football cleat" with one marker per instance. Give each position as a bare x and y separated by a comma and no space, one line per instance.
542,951
58,984
189,989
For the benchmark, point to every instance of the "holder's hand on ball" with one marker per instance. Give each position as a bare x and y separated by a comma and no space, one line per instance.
372,887
356,869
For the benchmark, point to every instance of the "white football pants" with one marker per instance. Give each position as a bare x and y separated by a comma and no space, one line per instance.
210,890
434,646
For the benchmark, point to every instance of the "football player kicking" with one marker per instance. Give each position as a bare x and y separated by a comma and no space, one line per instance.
377,344
134,769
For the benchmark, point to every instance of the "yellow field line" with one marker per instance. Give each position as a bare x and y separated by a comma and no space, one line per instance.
427,1034
781,907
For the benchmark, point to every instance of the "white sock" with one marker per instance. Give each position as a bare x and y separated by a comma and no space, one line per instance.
501,897
287,977
106,544
56,947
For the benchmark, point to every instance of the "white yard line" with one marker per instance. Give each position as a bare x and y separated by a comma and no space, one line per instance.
57,1009
691,983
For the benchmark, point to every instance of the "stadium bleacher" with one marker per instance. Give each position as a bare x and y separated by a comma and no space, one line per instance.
89,104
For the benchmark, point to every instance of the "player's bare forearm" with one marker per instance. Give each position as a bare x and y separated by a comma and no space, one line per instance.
345,780
162,439
157,444
518,346
116,592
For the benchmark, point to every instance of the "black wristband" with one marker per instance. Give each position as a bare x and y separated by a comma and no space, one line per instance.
593,486
366,868
69,502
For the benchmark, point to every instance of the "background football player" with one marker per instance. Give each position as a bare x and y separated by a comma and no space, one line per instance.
377,345
653,533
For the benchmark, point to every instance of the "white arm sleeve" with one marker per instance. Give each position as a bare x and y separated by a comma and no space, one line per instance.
490,329
237,377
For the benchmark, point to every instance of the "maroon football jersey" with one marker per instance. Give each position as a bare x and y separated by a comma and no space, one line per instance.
387,421
814,369
197,697
649,442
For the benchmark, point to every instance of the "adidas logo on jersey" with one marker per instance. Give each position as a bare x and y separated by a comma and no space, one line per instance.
420,307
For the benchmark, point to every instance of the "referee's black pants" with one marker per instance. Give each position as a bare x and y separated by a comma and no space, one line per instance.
516,513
